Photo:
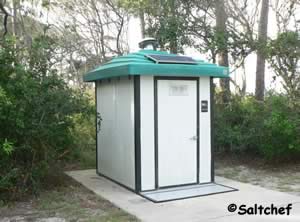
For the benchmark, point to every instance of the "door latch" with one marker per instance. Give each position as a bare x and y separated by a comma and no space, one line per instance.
194,138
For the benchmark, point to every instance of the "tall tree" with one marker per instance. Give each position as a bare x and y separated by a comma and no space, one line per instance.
90,33
284,58
238,38
261,58
174,26
15,6
162,19
222,39
283,52
142,21
4,11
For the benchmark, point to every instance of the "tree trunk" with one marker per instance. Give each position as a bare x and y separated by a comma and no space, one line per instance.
221,18
15,4
5,18
261,60
173,41
142,21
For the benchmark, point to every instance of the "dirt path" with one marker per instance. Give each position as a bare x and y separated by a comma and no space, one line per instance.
285,178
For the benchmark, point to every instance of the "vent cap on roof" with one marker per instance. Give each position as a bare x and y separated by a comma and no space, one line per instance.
148,43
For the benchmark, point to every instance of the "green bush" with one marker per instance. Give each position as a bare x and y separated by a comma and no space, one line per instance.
281,137
270,128
237,123
84,135
37,110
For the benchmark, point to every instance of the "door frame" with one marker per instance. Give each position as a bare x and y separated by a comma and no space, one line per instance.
156,78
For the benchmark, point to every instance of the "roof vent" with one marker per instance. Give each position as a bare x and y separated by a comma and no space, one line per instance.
148,43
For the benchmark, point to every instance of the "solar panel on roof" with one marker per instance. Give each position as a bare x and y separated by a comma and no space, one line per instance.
171,59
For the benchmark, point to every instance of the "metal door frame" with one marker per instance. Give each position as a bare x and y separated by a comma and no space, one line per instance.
156,78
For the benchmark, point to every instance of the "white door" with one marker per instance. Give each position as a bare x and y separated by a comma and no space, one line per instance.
176,132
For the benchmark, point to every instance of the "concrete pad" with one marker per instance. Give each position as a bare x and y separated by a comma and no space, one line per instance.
207,208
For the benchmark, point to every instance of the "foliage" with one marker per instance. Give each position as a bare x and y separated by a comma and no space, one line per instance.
37,111
84,135
281,135
235,125
164,20
90,33
270,129
284,57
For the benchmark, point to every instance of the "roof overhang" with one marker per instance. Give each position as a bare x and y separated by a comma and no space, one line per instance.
138,64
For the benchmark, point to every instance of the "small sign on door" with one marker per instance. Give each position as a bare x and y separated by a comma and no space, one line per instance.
178,90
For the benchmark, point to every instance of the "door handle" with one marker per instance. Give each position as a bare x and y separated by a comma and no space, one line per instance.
194,138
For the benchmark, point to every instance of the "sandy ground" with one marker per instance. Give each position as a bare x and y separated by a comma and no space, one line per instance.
284,178
76,203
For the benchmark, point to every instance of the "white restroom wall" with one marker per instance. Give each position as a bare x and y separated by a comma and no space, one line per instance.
205,132
147,133
115,103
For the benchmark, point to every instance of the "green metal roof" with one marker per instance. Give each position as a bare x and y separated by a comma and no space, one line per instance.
138,64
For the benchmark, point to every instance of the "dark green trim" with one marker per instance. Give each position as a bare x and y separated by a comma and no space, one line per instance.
156,78
137,132
212,161
155,135
96,124
198,131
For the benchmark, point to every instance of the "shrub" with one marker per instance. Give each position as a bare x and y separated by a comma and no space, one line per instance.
271,128
84,135
237,123
36,116
281,129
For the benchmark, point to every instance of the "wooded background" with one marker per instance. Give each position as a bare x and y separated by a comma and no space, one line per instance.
47,113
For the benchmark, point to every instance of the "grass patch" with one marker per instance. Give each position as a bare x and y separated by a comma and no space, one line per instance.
77,203
70,201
